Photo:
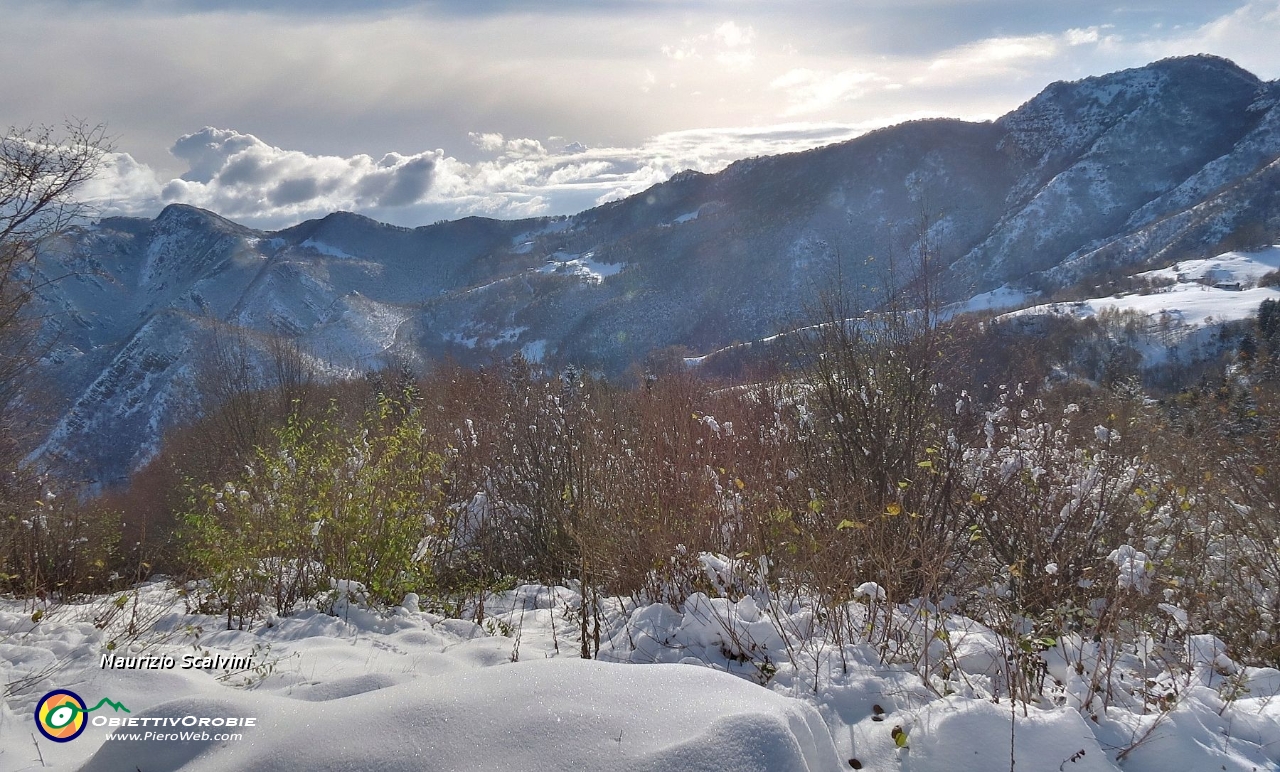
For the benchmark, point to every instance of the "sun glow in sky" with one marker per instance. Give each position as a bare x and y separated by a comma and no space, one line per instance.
274,112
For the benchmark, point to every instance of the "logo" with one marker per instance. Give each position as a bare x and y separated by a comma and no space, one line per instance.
60,714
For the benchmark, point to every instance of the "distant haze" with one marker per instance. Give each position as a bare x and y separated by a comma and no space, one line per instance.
273,112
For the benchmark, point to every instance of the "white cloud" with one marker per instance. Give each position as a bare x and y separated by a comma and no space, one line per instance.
1079,37
121,185
647,83
525,148
240,176
729,44
810,91
491,142
997,55
731,35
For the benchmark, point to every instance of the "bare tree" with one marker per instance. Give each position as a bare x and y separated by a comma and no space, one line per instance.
40,170
244,388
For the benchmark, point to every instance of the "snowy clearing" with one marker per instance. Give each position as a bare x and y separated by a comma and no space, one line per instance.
412,690
997,299
1190,304
326,249
1202,292
582,266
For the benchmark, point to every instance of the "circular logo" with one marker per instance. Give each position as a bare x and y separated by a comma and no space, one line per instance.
60,715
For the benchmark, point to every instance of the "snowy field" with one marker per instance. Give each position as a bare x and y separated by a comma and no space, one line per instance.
582,266
672,690
1203,292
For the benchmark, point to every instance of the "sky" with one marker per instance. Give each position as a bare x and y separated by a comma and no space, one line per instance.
411,111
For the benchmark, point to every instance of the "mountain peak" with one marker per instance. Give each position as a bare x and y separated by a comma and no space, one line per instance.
1202,63
179,212
1204,73
187,216
344,221
344,216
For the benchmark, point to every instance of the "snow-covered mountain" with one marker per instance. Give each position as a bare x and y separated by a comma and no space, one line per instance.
1176,160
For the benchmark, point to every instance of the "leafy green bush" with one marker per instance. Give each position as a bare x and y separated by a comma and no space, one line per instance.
323,510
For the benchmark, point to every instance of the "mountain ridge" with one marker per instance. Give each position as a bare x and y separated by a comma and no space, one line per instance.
1104,173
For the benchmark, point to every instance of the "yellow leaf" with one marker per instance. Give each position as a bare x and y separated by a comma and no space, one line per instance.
899,737
739,483
925,464
893,510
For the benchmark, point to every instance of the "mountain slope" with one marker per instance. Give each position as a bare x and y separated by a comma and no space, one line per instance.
1174,160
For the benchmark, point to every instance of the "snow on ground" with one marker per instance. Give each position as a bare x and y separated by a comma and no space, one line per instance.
997,299
1244,267
673,689
1189,304
326,249
1204,292
563,264
473,335
460,339
407,691
534,351
687,217
355,325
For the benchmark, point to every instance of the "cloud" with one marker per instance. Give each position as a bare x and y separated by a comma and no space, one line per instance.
730,35
240,176
331,91
811,91
728,43
122,186
295,190
525,148
998,54
1079,37
337,80
490,142
1247,35
399,183
206,152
